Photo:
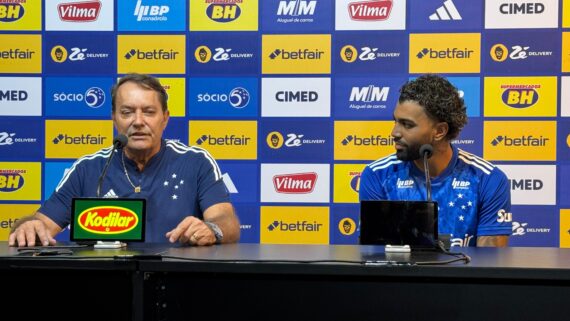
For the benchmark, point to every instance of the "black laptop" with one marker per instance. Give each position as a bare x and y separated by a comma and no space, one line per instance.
412,223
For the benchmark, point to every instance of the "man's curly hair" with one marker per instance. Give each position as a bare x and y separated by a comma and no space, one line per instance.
439,98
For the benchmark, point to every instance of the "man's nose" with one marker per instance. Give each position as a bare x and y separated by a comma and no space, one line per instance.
139,120
396,132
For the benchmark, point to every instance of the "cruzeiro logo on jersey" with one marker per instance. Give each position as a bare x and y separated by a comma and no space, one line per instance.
500,52
297,11
11,11
520,96
223,10
238,97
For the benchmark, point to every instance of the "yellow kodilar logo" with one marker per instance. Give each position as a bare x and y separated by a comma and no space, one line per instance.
108,219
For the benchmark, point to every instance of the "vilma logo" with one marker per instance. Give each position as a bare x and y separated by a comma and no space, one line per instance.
300,183
203,54
85,11
373,10
223,10
59,54
275,140
108,220
347,226
348,54
10,12
11,180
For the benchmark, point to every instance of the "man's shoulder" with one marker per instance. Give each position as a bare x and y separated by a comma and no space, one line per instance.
178,149
480,165
99,156
385,164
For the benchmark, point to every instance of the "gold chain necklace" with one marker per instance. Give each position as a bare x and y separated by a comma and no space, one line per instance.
137,188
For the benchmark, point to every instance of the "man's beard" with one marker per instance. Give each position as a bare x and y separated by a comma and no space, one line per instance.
409,153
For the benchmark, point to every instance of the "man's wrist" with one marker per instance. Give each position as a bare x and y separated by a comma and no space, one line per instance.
216,230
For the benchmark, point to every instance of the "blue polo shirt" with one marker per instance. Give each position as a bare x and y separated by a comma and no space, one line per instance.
176,182
472,194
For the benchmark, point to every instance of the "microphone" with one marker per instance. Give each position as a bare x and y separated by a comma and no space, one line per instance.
426,150
119,142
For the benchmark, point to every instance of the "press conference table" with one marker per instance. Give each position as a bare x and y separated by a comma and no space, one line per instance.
287,282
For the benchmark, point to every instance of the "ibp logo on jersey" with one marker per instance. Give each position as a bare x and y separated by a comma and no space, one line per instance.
376,10
73,139
10,12
519,140
20,181
164,54
460,53
521,96
225,139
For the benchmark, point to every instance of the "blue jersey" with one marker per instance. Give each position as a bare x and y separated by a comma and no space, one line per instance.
178,181
473,195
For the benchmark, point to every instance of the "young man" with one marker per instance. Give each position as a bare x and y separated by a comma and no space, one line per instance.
473,195
187,201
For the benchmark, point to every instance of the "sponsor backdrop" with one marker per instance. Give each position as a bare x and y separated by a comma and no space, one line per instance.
293,97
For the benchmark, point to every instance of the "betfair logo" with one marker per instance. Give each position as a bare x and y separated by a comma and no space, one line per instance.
449,53
223,10
159,54
227,140
79,140
10,12
11,180
377,140
522,141
296,226
203,54
519,97
301,54
17,54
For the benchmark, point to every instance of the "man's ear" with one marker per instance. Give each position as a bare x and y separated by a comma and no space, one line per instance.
441,130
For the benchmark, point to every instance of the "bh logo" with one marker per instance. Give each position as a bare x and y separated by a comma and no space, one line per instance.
355,181
520,98
223,10
10,181
10,12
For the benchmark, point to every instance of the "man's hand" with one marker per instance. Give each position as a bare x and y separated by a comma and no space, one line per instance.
193,231
30,230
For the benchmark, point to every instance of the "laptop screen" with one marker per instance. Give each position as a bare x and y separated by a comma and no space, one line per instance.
108,219
412,223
